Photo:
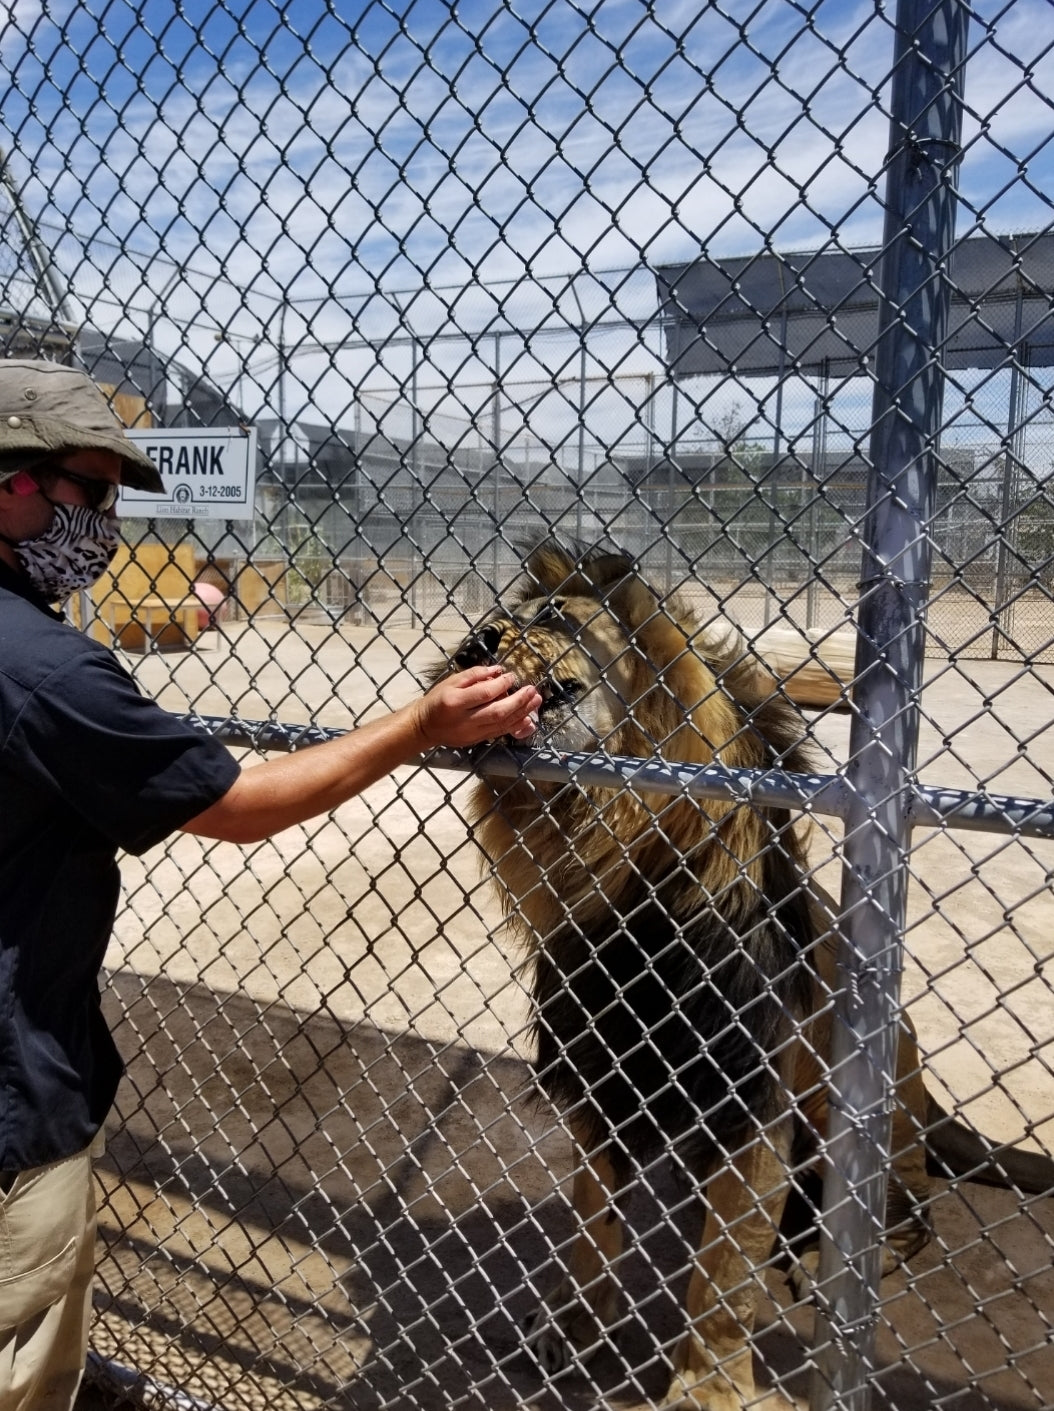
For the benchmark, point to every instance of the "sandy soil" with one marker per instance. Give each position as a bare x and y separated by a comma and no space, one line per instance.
328,1181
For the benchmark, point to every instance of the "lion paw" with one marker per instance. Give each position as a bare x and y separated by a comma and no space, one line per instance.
718,1395
804,1275
703,1382
709,1396
571,1325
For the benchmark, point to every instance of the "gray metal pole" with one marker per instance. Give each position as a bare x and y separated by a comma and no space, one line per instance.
925,132
777,445
583,350
496,464
416,485
1002,618
819,471
671,455
927,805
47,274
57,296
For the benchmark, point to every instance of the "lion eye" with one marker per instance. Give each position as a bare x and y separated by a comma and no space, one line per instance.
550,611
563,693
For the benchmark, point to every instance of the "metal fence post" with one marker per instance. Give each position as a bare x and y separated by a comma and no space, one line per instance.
926,122
1003,605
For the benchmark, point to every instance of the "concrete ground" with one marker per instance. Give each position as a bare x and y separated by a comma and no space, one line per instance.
328,1181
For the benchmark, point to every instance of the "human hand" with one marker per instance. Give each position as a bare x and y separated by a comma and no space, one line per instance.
475,705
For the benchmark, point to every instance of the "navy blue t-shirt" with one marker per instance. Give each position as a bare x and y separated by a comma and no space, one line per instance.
88,766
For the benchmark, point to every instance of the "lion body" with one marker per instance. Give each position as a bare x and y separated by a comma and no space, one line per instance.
666,937
679,960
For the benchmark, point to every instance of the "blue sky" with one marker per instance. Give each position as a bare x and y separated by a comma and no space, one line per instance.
452,140
312,150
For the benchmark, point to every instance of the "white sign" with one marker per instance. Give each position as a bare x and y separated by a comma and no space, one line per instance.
209,473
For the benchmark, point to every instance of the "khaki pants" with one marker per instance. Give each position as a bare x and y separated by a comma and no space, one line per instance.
47,1257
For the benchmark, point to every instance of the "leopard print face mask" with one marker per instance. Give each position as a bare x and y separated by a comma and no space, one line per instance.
73,552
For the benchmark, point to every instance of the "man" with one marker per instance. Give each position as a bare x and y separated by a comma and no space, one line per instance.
89,766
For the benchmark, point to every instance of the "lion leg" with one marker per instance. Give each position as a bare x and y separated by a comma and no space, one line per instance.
570,1324
713,1367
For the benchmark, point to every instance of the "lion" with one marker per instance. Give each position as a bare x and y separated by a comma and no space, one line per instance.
680,962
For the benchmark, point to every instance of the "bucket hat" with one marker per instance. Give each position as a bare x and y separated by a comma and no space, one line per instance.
46,409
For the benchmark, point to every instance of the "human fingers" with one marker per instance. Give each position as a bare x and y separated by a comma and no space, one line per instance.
516,714
475,705
477,686
509,714
475,675
496,688
525,728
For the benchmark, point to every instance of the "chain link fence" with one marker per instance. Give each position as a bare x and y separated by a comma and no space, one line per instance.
761,296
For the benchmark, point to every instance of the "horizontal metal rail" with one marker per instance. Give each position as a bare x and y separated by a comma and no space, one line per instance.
926,805
138,1389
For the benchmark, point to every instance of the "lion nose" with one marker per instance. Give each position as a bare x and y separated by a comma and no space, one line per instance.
480,650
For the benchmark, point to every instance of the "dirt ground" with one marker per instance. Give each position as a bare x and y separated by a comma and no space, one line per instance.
328,1181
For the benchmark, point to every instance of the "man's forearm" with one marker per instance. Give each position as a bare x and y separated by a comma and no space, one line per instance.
464,709
282,792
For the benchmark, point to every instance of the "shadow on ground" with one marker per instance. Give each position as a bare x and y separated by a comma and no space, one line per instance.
301,1212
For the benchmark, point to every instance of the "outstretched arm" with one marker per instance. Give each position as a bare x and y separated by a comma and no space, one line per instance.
460,710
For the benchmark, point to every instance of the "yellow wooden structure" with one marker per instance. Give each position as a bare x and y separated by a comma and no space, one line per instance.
145,599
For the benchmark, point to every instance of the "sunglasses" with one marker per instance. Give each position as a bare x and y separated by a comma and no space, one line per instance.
99,495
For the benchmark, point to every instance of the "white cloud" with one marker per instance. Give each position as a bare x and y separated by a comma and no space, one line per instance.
422,154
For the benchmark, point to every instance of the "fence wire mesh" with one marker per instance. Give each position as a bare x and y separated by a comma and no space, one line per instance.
455,280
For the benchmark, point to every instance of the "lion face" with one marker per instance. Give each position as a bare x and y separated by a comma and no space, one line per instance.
620,671
570,649
616,667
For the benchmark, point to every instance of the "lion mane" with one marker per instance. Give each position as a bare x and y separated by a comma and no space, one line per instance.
665,934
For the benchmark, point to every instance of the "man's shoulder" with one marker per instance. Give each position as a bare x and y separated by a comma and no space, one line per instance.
34,645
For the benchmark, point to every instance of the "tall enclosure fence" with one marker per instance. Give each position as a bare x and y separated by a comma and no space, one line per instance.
758,296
